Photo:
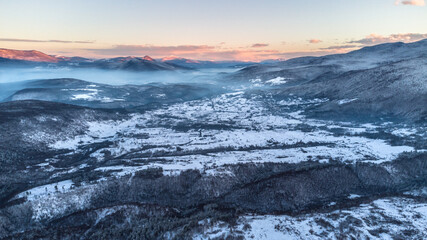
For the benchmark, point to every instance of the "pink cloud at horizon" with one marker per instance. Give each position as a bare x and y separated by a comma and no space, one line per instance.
314,41
410,2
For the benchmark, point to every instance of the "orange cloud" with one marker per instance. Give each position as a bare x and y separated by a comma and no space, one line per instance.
314,41
410,2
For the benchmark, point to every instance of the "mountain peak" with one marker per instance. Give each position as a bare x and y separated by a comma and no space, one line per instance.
171,58
148,58
26,55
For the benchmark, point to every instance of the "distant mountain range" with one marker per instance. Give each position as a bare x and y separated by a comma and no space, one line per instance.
194,64
31,58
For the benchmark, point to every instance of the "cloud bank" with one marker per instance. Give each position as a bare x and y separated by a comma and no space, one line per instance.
152,50
202,52
377,39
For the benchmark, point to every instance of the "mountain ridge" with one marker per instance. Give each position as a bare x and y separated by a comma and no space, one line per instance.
383,80
33,57
27,55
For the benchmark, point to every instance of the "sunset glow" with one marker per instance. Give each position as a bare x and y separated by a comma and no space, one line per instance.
221,30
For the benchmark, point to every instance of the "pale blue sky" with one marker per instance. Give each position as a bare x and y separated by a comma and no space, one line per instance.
217,29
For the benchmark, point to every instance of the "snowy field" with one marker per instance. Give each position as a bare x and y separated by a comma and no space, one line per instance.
232,128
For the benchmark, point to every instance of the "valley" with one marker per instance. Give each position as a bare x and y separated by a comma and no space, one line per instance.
308,148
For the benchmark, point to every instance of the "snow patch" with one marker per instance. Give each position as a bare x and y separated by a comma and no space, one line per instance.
344,101
277,81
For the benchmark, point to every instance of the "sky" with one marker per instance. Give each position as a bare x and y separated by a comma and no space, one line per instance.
247,30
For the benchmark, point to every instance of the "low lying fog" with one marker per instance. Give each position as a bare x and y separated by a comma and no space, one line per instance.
14,79
112,77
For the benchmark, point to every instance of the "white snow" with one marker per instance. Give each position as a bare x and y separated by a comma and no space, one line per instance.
277,81
404,132
40,191
344,101
256,80
391,216
252,126
54,199
300,101
89,96
47,206
353,196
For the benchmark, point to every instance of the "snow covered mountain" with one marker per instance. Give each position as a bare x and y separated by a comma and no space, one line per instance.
18,58
367,57
384,80
197,64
